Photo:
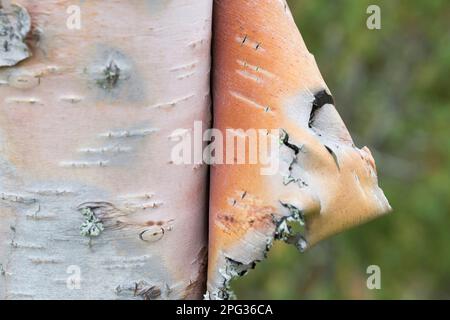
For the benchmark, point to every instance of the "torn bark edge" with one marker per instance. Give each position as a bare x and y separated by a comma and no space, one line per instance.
233,268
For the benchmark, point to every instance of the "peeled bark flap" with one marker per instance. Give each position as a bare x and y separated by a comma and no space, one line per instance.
325,184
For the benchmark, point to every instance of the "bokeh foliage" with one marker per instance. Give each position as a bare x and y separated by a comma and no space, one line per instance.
392,88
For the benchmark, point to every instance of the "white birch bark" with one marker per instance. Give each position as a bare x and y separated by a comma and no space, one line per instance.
87,186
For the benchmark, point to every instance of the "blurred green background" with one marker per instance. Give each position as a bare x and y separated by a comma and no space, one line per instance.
392,88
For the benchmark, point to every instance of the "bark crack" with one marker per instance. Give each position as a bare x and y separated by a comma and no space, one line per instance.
321,98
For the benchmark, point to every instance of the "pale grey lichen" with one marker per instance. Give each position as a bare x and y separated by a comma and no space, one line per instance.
284,230
15,23
238,266
233,269
92,226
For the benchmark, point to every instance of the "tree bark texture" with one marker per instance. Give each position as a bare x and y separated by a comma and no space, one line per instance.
86,180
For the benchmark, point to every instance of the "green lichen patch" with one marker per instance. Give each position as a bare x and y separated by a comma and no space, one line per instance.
233,269
92,226
287,225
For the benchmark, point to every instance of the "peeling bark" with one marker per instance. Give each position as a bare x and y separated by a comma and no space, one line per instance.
324,184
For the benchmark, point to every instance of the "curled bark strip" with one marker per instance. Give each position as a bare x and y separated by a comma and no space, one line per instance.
324,183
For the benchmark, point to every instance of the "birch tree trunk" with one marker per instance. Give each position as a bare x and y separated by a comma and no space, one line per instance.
93,99
87,188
